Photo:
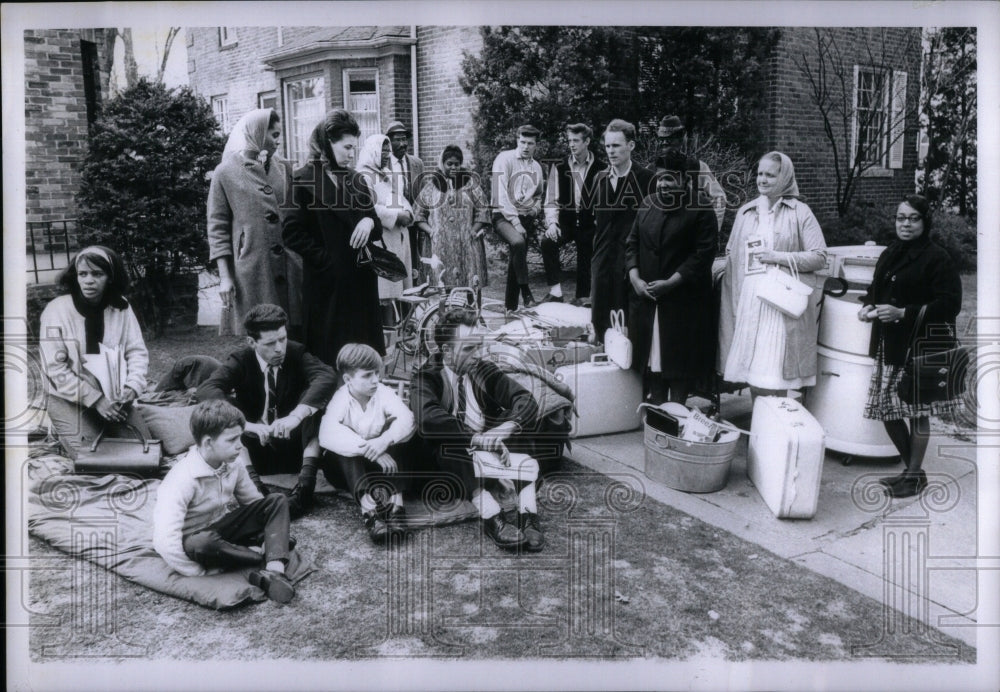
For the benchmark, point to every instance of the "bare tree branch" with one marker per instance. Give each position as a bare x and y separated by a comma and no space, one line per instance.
171,35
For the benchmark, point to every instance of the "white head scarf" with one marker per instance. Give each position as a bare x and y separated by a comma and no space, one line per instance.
249,135
370,158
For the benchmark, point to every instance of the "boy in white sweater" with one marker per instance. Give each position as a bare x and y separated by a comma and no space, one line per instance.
365,427
208,510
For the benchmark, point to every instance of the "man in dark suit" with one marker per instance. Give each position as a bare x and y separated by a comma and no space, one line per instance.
563,196
279,387
608,210
407,171
479,427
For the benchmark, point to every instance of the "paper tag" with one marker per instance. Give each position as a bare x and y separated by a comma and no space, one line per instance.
700,428
754,247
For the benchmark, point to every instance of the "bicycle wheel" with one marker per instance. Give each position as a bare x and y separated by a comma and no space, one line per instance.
408,340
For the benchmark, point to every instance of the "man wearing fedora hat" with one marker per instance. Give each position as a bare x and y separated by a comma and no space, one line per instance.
406,174
672,134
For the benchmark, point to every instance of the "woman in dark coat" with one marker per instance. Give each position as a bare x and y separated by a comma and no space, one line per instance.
330,217
668,257
912,272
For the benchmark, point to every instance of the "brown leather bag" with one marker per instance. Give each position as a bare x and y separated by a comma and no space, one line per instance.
120,455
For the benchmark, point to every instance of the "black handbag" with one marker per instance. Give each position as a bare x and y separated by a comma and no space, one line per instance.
120,455
936,376
382,261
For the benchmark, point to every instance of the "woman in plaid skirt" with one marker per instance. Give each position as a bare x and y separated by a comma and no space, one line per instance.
911,273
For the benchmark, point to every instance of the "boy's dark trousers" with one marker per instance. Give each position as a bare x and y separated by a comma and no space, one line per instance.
517,263
223,543
363,476
584,240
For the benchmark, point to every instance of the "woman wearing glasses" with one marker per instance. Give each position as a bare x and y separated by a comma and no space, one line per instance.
913,272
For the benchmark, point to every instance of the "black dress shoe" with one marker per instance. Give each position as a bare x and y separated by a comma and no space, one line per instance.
908,486
553,299
376,526
503,533
892,480
529,301
300,501
276,585
395,518
534,540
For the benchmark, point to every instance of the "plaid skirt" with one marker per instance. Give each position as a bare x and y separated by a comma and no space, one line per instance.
884,402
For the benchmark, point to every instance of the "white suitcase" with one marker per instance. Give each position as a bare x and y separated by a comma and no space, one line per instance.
785,456
606,396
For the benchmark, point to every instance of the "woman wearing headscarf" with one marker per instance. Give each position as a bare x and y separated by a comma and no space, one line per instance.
329,217
913,272
393,211
244,229
668,257
87,335
758,344
452,209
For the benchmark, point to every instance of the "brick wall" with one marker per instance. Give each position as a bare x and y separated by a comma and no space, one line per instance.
444,110
234,70
795,125
55,118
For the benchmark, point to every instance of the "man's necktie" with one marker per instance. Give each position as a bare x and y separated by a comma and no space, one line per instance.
406,178
461,399
272,395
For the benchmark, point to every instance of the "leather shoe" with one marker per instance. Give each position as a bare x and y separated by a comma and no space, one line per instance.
534,540
553,299
530,302
581,302
395,518
908,485
892,480
300,501
504,534
377,529
277,586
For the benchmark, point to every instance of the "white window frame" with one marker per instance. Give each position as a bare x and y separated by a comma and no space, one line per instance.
892,128
220,109
271,93
363,71
227,36
288,119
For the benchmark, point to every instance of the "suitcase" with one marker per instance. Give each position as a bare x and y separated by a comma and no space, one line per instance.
785,456
606,396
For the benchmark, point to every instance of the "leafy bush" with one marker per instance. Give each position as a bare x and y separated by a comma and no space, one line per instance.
866,221
144,189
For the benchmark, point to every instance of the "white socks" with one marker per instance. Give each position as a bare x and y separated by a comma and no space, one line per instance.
556,290
485,504
526,499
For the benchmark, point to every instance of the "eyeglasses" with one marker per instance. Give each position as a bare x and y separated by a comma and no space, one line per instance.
911,219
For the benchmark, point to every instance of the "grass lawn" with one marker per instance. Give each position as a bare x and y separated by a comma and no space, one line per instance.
621,577
639,580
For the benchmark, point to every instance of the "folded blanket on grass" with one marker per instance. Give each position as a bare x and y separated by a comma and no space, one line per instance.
107,520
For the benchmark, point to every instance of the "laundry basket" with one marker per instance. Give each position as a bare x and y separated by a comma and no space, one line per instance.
694,467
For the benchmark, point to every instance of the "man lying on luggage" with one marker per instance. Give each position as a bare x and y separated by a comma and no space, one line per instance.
470,417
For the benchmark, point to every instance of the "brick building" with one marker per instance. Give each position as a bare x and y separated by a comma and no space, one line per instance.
882,70
377,72
66,77
303,72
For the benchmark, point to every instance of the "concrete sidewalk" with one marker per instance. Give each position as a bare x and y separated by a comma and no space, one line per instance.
917,556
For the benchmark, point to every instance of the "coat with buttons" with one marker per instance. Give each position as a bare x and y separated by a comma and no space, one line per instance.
244,223
909,275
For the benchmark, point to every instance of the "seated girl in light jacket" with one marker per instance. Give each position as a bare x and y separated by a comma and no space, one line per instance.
74,328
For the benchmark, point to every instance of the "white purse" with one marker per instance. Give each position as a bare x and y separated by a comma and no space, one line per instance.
784,292
616,342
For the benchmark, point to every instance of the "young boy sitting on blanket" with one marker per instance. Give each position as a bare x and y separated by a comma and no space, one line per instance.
366,427
208,510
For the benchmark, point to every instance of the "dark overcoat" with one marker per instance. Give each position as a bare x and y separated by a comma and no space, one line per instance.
340,302
609,213
661,243
244,223
909,275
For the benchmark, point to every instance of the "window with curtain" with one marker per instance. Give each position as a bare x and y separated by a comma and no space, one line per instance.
361,99
305,107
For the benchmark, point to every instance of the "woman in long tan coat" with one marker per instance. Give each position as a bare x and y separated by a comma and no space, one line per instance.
244,223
